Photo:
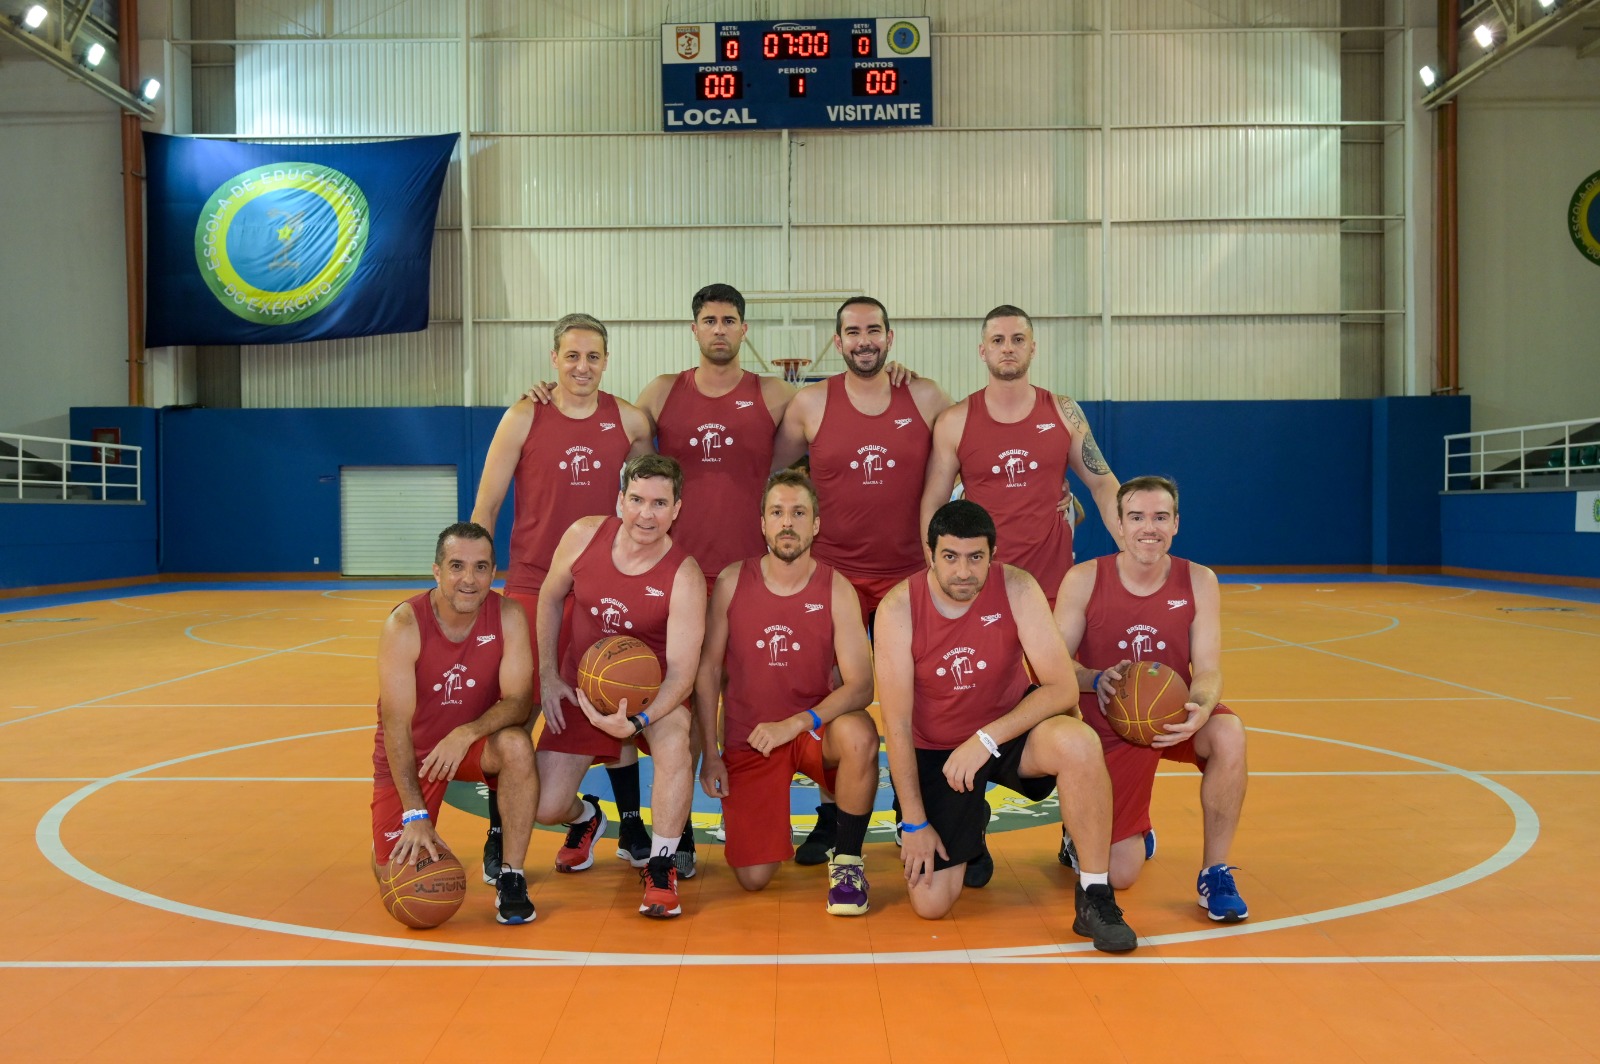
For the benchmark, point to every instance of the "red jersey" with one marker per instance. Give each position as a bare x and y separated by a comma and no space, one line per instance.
456,682
1015,471
868,470
1119,625
968,668
569,468
725,448
780,651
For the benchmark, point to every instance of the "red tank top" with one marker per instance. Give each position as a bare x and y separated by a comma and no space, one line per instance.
1016,472
780,651
1119,625
968,668
569,468
868,469
608,602
725,448
456,682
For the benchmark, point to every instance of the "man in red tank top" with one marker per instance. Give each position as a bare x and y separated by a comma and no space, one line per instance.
564,458
624,575
958,713
455,684
778,625
1012,444
1146,605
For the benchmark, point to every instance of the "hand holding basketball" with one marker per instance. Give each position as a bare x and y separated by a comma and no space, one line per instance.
1147,698
423,891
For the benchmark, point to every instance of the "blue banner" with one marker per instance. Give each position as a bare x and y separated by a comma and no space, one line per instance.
281,243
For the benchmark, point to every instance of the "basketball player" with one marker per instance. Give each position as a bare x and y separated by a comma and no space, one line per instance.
564,459
626,577
455,684
1146,605
1012,443
778,625
958,713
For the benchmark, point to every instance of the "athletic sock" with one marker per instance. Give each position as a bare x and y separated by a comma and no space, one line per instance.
504,868
1089,879
588,812
852,833
494,812
660,846
625,788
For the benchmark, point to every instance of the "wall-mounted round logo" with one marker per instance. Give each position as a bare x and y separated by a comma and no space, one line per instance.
903,38
1583,218
278,243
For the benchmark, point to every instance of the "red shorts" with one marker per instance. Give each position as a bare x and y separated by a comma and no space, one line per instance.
1133,777
755,814
530,606
581,737
386,806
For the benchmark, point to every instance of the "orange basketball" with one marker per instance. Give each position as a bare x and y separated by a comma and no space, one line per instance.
618,667
426,892
1148,696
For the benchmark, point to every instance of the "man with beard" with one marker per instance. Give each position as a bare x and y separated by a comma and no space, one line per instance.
1012,444
778,626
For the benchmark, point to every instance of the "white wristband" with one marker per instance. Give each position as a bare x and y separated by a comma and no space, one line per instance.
988,743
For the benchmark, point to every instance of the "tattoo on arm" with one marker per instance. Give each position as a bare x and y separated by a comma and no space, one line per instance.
1070,409
1093,460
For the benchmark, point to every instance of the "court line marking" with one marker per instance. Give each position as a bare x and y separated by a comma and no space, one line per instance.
1394,622
6,645
47,836
1519,624
189,634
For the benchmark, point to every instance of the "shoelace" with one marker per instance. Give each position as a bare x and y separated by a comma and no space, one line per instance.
575,832
513,888
849,875
1224,883
658,876
1105,906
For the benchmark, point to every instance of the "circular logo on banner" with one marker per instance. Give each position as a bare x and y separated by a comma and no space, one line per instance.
903,38
1583,218
278,243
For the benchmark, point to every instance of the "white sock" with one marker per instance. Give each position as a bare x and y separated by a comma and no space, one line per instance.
661,845
504,868
1089,879
587,815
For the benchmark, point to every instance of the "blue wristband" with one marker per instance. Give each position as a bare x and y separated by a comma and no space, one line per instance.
816,721
1094,685
411,815
912,829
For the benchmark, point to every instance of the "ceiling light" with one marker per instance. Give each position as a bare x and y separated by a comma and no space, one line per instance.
94,55
149,90
1429,77
34,17
1484,36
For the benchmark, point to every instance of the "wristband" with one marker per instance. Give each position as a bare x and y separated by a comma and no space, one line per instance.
1094,684
640,722
912,829
816,721
988,743
413,814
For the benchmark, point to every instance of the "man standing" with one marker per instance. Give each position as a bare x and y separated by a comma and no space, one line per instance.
779,625
455,684
1175,605
958,713
626,576
564,458
1012,444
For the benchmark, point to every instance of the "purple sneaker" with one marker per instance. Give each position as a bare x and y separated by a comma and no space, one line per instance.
847,886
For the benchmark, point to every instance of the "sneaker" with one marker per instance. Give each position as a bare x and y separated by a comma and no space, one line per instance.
1100,919
1219,897
683,859
491,858
577,853
511,902
847,886
818,846
633,841
1150,844
980,869
660,879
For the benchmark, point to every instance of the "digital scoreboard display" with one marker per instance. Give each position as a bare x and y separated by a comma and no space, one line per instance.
827,74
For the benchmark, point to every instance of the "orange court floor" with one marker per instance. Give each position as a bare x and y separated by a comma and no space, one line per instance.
186,777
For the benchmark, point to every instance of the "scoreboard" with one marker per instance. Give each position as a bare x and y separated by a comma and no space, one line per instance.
826,74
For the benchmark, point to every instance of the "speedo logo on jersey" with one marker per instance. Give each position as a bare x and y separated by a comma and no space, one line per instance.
581,463
711,438
454,682
743,404
961,665
873,460
1015,464
901,422
777,640
612,614
485,640
1141,640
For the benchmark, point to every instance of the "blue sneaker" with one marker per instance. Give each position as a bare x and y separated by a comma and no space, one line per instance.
1219,897
1150,844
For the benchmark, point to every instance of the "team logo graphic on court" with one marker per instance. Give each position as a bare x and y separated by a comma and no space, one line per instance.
612,614
711,438
873,460
582,464
1583,218
777,640
1142,639
962,665
1016,465
455,678
688,42
278,243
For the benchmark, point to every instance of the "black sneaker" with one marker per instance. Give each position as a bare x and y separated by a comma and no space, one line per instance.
492,857
1068,855
818,846
1100,919
683,860
511,902
980,869
633,841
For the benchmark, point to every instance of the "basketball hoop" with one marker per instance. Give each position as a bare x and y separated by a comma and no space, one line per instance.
791,368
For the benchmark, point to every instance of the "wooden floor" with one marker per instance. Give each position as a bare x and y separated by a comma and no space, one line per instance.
185,788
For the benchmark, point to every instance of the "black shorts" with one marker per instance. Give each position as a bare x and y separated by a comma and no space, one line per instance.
961,819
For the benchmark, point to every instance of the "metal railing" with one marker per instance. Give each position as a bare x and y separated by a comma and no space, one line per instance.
1558,454
44,468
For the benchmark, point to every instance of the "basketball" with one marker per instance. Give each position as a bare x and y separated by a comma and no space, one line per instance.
1148,696
618,667
425,893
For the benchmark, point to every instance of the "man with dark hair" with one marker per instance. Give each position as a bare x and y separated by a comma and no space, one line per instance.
959,713
1145,604
455,684
625,575
564,458
778,626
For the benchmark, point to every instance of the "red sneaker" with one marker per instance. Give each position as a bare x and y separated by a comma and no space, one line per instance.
577,853
660,879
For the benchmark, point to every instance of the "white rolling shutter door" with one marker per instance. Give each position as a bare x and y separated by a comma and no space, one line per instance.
391,517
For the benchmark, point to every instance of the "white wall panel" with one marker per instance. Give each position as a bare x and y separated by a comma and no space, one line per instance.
1242,358
1172,79
406,369
549,18
1008,81
348,18
1210,268
1224,173
559,86
348,89
1221,14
